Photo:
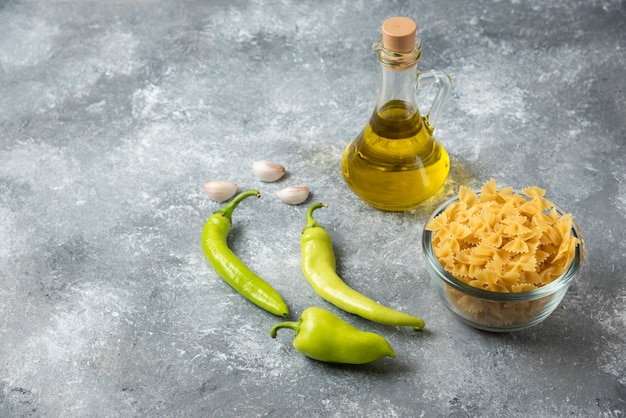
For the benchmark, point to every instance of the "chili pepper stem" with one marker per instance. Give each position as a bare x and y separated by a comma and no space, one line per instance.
287,324
310,221
227,210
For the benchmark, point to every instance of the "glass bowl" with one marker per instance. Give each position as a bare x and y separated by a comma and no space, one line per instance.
498,311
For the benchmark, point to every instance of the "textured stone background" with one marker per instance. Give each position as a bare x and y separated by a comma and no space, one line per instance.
112,116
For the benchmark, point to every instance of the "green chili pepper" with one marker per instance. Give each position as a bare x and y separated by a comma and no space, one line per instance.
230,267
318,266
323,336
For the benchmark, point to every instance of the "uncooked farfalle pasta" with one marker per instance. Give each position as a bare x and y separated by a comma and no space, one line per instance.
503,241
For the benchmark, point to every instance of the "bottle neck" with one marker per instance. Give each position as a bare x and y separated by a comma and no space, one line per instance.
398,86
398,82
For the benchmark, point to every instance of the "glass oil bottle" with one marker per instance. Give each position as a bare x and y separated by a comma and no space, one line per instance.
395,162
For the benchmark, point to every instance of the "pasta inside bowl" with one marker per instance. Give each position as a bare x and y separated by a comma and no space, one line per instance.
502,260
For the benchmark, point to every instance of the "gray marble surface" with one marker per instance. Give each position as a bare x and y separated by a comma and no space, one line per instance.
112,116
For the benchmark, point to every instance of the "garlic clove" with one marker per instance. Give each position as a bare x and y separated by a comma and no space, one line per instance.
220,190
293,195
268,171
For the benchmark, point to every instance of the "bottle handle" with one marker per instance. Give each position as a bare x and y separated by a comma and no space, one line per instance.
444,86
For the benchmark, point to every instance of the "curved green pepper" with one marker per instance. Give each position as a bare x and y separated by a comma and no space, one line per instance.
323,336
318,266
230,267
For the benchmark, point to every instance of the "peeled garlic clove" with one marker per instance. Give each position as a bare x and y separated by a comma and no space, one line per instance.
220,190
293,195
267,171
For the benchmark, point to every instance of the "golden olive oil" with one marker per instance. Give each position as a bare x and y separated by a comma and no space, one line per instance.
395,163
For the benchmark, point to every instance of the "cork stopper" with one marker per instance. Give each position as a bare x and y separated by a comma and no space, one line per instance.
399,34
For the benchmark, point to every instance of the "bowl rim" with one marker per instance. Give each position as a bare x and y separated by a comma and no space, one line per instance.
562,281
